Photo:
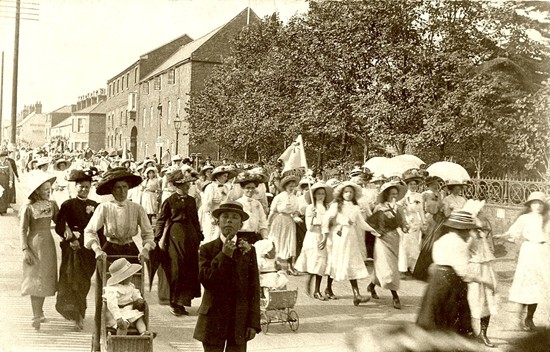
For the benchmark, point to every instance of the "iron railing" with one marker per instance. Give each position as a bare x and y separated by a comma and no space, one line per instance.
504,191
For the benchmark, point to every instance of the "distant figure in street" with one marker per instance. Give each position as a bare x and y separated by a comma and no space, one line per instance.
229,314
37,243
6,182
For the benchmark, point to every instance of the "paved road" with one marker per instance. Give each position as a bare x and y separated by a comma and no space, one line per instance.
324,326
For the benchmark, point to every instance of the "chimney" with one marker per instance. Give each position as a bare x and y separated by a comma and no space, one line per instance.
38,108
73,107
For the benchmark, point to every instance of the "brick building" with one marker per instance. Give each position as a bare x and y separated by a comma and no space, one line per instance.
88,122
55,117
164,92
122,96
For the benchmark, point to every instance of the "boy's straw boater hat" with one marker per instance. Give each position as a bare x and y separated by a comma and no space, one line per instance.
42,161
68,163
340,188
540,196
316,186
461,220
401,189
120,270
114,175
224,169
38,178
177,157
333,182
234,207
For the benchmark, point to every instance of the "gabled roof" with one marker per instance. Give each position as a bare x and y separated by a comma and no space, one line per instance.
182,54
62,110
29,117
67,122
98,108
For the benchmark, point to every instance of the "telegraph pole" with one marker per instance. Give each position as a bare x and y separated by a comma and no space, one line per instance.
15,73
1,95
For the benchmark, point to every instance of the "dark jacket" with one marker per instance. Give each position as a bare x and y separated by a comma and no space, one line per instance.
231,300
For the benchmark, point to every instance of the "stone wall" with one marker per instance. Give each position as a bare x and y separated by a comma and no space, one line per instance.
501,216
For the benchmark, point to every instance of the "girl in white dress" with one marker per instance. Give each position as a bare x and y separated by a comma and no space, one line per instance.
255,228
214,194
151,188
60,189
344,226
314,255
531,282
413,208
281,221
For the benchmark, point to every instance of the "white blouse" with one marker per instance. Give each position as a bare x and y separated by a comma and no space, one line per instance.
257,220
529,227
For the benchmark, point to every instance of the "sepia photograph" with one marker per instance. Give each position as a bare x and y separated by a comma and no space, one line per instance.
274,175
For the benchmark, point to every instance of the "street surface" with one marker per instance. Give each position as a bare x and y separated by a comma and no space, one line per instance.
324,326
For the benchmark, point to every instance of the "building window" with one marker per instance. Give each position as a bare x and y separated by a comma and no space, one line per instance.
144,116
110,90
120,121
157,82
122,82
126,118
169,111
136,75
118,85
172,76
80,127
146,87
151,115
127,80
113,120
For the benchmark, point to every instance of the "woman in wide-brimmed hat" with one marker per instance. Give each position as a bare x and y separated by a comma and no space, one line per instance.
214,194
344,226
282,220
531,283
387,218
120,220
40,264
413,208
204,175
151,188
445,303
255,228
77,262
178,227
314,256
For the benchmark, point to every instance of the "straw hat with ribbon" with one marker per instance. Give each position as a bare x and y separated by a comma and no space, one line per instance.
340,188
333,182
412,175
81,175
120,270
151,169
37,179
68,163
223,169
113,176
315,187
249,177
177,157
179,177
234,207
205,168
378,178
451,183
461,220
42,161
285,180
401,189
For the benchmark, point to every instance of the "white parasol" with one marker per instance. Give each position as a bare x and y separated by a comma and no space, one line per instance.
401,163
448,171
378,165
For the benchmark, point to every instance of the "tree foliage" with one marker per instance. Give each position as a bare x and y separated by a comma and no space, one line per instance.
441,79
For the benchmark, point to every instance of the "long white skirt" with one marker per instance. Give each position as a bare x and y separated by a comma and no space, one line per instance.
531,281
209,230
283,234
312,260
409,248
345,257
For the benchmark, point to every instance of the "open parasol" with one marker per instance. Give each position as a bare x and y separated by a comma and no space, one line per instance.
448,170
401,163
378,165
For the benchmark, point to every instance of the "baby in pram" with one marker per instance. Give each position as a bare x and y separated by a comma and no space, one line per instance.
271,275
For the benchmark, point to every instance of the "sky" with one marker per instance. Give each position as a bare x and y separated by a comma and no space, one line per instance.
77,45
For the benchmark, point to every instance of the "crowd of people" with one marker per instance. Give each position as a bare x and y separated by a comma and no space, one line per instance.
364,227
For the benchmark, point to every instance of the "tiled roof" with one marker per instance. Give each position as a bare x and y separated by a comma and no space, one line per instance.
183,53
63,109
93,109
67,122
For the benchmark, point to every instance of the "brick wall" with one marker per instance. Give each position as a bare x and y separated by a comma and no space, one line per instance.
96,130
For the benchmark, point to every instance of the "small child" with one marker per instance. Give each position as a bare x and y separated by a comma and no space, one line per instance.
271,275
124,302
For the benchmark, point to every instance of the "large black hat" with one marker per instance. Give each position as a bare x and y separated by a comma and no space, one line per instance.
82,175
113,176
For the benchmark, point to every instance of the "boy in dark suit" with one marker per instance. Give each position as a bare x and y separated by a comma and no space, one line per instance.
229,314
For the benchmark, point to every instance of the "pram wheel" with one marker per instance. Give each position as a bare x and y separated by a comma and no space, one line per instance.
264,322
293,320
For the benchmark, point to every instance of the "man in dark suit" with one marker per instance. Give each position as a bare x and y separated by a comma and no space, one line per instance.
229,314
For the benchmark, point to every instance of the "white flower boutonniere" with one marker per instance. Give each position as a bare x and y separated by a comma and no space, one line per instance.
244,246
90,209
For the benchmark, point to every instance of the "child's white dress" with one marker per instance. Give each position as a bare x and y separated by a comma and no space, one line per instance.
119,299
269,276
